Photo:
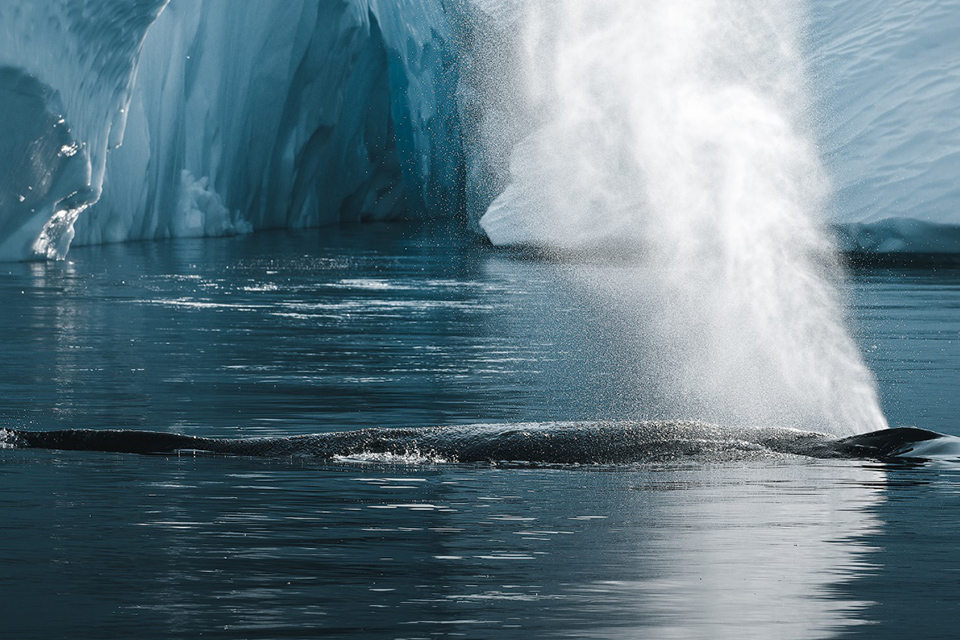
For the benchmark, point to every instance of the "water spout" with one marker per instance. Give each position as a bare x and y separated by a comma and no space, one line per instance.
681,132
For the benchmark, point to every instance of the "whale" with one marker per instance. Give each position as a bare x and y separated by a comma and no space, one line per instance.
899,442
560,443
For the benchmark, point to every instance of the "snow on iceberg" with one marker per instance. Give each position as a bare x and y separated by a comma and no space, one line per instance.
232,116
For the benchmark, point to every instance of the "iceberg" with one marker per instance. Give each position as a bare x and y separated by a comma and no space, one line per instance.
213,117
888,75
161,118
66,71
879,87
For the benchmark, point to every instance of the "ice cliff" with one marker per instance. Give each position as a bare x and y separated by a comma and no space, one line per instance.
66,71
158,118
233,116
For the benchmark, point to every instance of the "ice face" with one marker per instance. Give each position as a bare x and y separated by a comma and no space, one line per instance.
294,114
67,70
41,165
232,117
235,116
888,75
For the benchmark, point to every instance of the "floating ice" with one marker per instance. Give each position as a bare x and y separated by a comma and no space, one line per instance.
66,71
232,116
292,113
888,75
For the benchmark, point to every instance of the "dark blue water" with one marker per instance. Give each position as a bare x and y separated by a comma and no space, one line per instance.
281,334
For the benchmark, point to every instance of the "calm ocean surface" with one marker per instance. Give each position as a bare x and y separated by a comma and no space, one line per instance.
387,325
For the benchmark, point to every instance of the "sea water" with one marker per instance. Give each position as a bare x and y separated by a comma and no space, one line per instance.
282,334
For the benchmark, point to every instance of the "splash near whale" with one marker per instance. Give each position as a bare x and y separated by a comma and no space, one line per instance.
568,443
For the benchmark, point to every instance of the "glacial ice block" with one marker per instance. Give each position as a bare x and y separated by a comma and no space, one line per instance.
888,75
66,69
292,114
159,118
212,117
44,173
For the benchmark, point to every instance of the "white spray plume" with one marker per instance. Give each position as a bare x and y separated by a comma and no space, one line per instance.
679,133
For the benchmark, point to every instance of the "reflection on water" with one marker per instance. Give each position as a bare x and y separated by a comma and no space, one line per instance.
395,326
240,548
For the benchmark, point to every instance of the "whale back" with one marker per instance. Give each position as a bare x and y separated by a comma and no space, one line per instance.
886,443
548,443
